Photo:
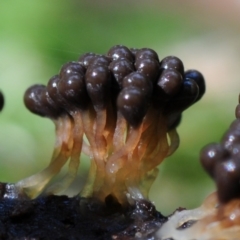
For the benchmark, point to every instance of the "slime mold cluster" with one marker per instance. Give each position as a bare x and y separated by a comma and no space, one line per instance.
120,109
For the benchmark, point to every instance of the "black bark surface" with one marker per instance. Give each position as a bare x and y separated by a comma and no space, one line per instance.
61,217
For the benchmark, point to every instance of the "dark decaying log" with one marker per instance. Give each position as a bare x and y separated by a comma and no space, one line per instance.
61,217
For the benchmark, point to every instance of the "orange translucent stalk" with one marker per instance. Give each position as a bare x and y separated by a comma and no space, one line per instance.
174,141
75,157
35,184
152,160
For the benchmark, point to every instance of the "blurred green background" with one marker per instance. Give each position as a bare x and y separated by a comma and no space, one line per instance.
37,37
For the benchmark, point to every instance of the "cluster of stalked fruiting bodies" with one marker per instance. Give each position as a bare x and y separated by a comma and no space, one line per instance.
121,109
219,215
222,162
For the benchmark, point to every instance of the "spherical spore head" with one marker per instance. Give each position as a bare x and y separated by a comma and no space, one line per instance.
132,104
120,51
199,79
172,62
32,99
